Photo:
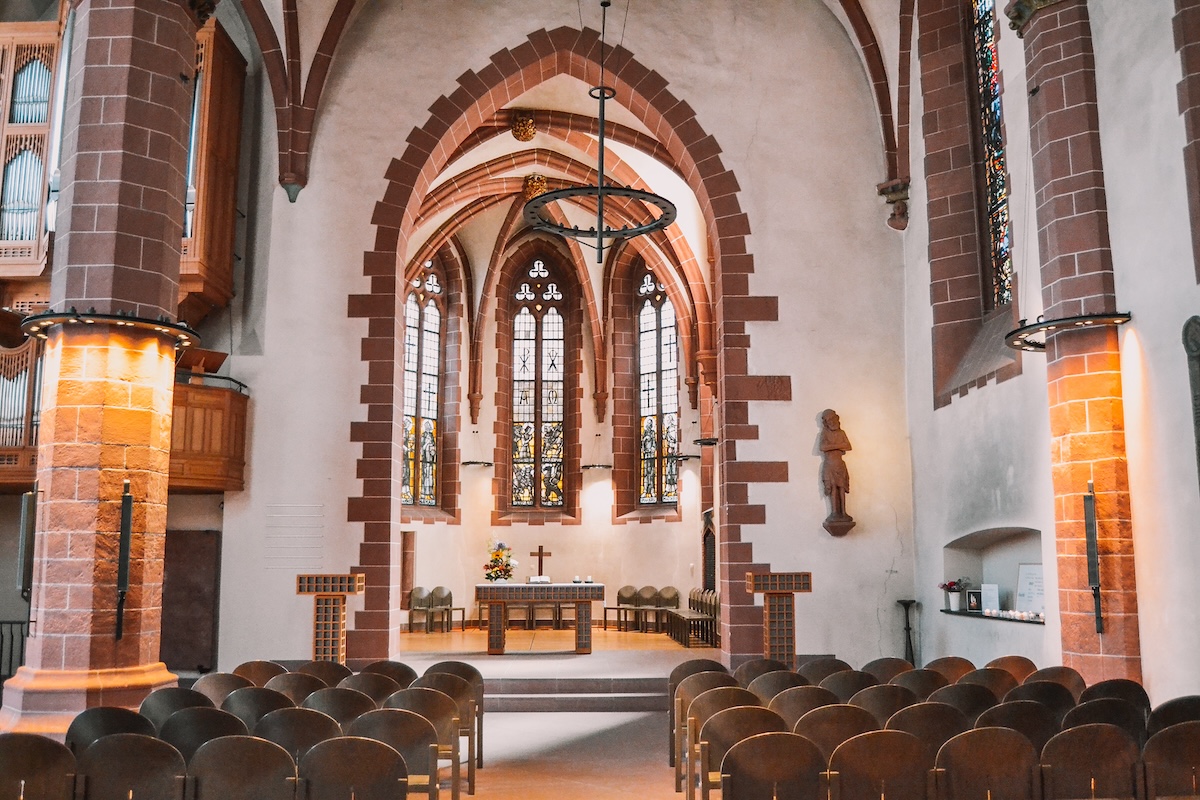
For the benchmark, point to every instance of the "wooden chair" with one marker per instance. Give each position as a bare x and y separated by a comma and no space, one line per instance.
344,705
216,686
773,766
969,698
722,731
819,669
41,768
441,710
997,763
1173,712
473,676
441,606
372,684
769,684
921,682
883,700
1033,720
829,726
188,728
952,667
1053,696
646,607
683,670
242,768
698,712
296,685
128,765
297,729
1000,681
933,723
371,770
259,672
1091,761
794,703
688,689
398,671
418,603
463,694
159,705
1067,676
748,671
410,735
254,702
1113,711
1019,667
94,723
331,672
880,765
1121,688
1172,759
884,669
665,602
626,603
848,682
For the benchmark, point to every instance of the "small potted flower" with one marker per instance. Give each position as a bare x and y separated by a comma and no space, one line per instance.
954,589
499,567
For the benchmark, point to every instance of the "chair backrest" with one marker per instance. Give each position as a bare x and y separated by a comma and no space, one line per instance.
259,672
646,596
887,667
692,666
1122,688
818,669
933,723
1067,676
1000,681
457,689
921,682
792,704
1053,696
407,732
94,723
829,726
1111,710
1089,761
398,671
45,767
881,764
986,762
331,672
242,768
729,726
117,765
969,698
254,702
1019,667
1172,759
952,667
216,686
1033,720
693,686
668,597
627,595
463,670
441,597
344,705
769,684
748,671
371,769
883,700
1173,712
848,682
418,598
295,685
189,728
438,708
708,703
372,684
297,729
773,766
160,704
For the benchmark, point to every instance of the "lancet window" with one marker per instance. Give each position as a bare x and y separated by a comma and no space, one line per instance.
424,315
995,171
658,394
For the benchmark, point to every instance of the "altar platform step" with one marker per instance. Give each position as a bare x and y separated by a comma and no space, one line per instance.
575,694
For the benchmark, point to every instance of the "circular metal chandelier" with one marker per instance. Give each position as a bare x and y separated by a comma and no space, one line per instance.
535,210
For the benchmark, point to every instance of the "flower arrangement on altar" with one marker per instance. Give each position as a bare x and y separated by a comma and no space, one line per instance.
500,561
957,585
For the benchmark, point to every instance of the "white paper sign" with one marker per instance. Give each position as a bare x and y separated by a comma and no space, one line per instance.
990,596
1031,594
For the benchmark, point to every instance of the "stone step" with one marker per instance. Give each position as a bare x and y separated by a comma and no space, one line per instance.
575,694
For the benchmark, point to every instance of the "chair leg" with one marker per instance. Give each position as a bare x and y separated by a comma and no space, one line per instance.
471,760
479,739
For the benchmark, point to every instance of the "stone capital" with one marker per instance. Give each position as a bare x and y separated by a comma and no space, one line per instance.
198,10
1021,12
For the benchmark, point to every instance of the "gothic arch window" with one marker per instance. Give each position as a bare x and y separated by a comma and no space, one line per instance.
539,389
658,394
994,179
424,315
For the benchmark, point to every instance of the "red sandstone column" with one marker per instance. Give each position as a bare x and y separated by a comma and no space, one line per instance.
1187,42
106,407
1087,423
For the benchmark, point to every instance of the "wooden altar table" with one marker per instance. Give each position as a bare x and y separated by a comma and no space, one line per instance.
499,595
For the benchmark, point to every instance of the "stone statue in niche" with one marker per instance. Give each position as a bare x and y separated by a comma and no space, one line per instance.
835,477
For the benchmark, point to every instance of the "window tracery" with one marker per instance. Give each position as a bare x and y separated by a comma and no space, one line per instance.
995,170
424,311
658,395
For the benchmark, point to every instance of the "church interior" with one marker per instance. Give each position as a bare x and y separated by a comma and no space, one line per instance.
365,331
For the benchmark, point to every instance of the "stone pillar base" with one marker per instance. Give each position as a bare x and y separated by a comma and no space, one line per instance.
45,701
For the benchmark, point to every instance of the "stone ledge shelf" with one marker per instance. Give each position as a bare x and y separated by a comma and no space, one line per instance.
981,615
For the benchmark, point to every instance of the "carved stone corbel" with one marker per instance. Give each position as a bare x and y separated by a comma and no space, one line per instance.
1020,12
896,194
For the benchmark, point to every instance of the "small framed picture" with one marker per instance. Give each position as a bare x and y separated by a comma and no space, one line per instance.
975,600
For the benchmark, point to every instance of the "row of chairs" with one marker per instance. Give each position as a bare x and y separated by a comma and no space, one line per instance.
699,622
435,607
642,609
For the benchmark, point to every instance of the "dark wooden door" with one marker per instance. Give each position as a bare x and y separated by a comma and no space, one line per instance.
191,593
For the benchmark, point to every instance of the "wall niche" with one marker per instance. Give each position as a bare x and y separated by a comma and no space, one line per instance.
992,555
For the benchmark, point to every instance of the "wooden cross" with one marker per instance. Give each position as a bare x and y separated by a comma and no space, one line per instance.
541,554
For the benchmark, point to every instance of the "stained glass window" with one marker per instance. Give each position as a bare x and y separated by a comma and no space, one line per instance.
422,387
987,70
658,395
538,391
